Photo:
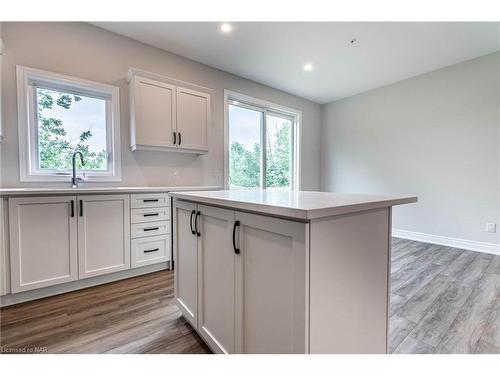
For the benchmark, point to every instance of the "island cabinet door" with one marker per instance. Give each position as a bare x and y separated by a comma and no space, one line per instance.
186,260
43,242
103,234
216,278
270,285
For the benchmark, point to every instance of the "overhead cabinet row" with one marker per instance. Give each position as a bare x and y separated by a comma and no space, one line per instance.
167,117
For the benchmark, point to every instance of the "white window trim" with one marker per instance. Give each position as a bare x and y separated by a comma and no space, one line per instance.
27,124
230,96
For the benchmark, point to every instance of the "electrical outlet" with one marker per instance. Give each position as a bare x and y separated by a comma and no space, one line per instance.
491,227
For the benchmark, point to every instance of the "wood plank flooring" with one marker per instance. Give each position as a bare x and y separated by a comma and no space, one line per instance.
443,300
136,315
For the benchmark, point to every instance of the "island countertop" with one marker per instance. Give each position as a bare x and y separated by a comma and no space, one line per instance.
298,205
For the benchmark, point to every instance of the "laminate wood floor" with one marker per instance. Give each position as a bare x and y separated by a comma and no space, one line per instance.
136,315
443,300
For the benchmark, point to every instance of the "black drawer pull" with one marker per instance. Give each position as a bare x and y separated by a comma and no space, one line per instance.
150,200
146,215
191,222
149,229
236,224
198,233
72,208
152,250
81,207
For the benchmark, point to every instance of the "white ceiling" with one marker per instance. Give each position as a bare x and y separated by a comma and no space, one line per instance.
274,53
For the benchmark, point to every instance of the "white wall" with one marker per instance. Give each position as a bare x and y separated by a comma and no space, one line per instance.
435,136
89,52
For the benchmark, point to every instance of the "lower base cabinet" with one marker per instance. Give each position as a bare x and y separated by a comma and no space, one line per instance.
240,279
43,242
103,234
59,239
216,279
271,285
150,250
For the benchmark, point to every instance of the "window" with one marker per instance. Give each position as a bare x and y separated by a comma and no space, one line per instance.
262,144
59,115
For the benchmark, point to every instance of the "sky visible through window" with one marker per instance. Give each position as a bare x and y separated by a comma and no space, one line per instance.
245,126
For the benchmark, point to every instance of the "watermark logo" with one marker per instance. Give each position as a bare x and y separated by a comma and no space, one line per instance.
24,350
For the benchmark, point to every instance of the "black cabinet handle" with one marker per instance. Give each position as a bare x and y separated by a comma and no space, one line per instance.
196,223
175,135
150,229
236,224
191,222
152,250
146,215
180,139
81,207
72,208
149,200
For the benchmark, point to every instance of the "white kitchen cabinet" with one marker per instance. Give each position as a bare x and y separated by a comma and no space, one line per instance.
216,278
271,285
150,250
250,279
1,52
186,261
103,234
193,119
43,241
152,113
149,200
3,252
167,116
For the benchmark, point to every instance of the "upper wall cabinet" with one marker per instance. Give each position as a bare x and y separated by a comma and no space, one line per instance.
167,114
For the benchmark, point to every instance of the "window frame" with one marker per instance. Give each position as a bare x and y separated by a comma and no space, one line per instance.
28,80
265,107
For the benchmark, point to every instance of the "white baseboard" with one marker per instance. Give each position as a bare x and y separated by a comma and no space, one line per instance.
459,243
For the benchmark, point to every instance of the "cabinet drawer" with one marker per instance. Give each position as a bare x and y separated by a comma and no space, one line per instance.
149,200
150,250
145,215
154,228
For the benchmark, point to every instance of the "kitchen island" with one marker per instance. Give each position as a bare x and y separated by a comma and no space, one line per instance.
284,272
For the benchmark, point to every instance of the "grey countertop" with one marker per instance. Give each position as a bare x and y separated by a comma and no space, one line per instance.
99,190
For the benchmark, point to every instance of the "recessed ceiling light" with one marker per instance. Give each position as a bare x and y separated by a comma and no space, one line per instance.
225,28
308,67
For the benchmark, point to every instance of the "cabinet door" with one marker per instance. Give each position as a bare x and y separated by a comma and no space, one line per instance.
186,261
103,234
43,241
271,285
154,106
216,277
193,119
